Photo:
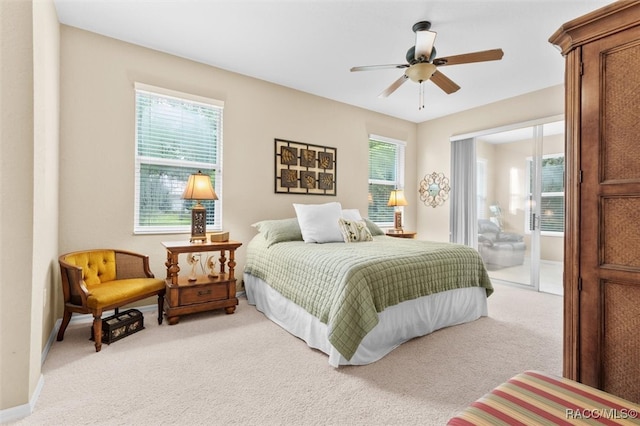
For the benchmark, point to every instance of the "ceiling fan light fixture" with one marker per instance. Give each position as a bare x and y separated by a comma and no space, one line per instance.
420,71
424,45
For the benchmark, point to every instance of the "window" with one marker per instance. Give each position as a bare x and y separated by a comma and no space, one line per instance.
386,173
177,134
552,195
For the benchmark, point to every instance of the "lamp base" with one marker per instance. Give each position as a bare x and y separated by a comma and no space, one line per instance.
397,222
198,224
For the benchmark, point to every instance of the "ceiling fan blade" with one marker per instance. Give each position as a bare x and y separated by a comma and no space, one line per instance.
389,90
424,45
444,82
378,67
466,58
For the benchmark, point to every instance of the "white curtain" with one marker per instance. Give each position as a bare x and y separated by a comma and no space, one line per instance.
463,214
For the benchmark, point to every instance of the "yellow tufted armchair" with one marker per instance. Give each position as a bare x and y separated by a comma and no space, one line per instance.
99,280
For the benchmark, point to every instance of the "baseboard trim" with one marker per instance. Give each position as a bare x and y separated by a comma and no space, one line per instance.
50,340
24,410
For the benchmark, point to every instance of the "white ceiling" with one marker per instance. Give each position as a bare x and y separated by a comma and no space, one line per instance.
310,45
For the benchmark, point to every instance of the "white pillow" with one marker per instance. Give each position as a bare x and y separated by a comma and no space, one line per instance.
351,214
319,222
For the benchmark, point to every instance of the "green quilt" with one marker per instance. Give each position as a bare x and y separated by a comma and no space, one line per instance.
346,285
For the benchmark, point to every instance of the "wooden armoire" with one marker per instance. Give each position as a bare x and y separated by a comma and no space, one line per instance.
602,231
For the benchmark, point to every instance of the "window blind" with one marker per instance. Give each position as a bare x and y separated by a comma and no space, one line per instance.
552,199
552,194
386,173
176,135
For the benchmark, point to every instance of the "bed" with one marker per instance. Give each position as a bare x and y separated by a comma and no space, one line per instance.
357,302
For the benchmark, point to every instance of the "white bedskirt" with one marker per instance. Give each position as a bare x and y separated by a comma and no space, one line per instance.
396,325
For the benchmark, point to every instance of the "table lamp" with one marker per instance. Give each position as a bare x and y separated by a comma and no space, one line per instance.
199,188
396,199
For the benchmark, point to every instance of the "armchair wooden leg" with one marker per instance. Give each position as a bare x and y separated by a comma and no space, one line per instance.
160,307
97,331
63,326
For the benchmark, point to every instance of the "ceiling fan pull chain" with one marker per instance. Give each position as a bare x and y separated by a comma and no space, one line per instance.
421,106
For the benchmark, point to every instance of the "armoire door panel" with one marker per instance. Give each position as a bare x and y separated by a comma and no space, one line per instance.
620,105
620,229
621,339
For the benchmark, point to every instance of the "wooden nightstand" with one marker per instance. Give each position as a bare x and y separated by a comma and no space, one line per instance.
405,234
205,293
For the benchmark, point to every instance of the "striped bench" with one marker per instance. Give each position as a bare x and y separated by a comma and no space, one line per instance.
536,398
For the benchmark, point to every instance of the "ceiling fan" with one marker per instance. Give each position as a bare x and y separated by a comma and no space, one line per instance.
422,64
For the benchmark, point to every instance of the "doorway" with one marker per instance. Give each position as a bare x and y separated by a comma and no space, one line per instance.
520,204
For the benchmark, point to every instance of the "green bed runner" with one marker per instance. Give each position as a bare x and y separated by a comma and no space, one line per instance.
346,285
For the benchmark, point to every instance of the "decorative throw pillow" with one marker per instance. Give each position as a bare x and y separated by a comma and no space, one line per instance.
354,231
279,230
373,228
319,222
351,214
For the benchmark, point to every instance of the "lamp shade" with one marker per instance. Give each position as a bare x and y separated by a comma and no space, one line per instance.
199,188
396,198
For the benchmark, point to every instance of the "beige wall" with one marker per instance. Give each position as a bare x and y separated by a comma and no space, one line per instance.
434,151
16,207
97,143
29,34
46,63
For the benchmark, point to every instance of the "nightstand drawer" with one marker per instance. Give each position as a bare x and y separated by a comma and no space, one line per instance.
203,293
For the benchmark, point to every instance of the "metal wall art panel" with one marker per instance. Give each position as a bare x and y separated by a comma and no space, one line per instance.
303,168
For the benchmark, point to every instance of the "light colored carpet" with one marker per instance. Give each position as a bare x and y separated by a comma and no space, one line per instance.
213,368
